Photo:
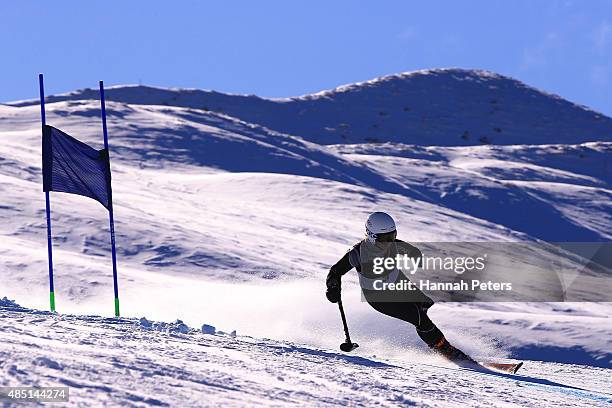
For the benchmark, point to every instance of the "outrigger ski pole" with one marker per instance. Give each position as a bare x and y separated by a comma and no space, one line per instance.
348,345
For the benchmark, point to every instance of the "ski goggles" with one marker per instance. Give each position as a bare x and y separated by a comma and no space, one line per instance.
383,237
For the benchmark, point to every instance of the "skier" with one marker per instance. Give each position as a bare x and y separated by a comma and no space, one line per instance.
408,305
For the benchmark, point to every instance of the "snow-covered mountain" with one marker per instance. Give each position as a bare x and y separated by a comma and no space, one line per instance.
230,208
442,107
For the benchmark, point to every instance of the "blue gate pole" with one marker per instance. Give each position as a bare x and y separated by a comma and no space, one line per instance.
47,203
110,202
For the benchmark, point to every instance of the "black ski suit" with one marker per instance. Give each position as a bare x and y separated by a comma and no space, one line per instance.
409,306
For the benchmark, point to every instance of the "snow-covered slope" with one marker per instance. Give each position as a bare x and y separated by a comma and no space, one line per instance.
552,192
520,187
233,214
111,362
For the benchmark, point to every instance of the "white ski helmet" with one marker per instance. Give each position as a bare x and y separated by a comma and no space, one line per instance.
377,224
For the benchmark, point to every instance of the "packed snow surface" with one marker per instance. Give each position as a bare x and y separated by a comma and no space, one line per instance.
131,362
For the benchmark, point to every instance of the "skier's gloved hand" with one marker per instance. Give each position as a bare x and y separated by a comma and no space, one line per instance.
333,294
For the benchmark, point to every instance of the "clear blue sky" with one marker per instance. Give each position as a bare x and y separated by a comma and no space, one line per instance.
290,47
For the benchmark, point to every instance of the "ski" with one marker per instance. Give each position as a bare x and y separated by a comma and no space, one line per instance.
511,368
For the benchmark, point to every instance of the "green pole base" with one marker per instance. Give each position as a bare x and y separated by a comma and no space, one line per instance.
116,307
52,301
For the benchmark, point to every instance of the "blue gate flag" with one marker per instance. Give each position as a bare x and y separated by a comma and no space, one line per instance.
71,166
